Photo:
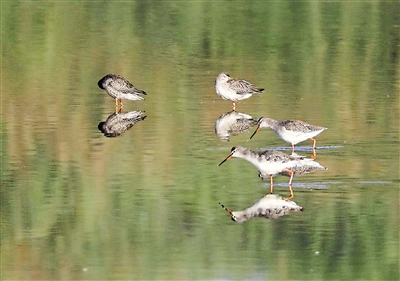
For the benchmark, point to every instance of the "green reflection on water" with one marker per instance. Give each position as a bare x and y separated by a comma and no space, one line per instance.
76,205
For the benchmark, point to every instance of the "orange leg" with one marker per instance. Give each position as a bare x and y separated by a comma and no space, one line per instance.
116,105
292,148
271,187
290,184
234,106
314,156
122,105
314,142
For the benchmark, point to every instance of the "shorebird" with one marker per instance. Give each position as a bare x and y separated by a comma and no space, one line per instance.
118,123
271,163
233,123
119,88
271,206
291,131
234,89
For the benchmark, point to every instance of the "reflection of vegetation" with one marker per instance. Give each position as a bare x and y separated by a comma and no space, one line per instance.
130,207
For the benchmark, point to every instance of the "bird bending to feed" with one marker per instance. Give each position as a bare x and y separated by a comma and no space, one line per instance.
119,88
291,131
272,162
271,206
234,89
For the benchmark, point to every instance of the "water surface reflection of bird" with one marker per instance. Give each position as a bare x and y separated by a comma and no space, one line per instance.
270,206
118,123
233,123
291,131
234,89
119,88
272,162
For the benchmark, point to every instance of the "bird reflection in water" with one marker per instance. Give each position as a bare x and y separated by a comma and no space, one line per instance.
233,123
271,206
118,123
272,162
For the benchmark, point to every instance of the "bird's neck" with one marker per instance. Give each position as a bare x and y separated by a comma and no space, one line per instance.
250,156
272,124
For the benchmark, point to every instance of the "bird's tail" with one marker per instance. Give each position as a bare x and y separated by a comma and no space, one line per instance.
140,92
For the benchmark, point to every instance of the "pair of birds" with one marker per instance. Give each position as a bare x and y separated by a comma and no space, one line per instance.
291,131
226,87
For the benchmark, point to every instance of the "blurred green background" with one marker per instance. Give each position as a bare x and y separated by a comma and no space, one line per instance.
144,206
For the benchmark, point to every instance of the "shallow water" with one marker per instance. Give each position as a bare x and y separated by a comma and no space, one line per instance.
144,205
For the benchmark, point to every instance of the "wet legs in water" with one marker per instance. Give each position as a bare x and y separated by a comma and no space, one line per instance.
314,156
271,187
291,173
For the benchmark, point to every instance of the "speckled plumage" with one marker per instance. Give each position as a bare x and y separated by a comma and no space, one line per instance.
118,123
270,206
272,162
233,123
291,131
234,89
119,88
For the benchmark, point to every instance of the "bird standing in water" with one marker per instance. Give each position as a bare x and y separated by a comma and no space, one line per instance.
120,89
291,131
271,163
234,89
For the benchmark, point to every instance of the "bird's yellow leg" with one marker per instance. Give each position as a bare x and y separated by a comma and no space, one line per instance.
314,142
271,186
314,156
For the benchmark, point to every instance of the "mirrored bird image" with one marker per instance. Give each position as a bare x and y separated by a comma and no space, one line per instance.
120,89
234,89
118,123
233,123
271,206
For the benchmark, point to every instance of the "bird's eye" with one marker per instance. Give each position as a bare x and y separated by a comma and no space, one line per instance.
233,149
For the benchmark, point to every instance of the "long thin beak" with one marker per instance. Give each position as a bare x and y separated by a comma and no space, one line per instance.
258,128
228,210
227,158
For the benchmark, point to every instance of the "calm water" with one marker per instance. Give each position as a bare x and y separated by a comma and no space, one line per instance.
144,205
